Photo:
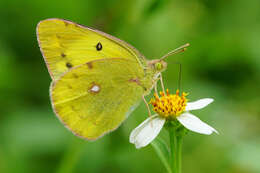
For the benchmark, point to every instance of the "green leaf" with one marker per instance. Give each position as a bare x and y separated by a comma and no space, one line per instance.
163,152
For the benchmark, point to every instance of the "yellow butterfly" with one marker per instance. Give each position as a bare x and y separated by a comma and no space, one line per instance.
97,79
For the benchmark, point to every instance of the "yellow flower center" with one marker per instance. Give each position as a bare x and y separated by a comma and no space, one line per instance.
169,106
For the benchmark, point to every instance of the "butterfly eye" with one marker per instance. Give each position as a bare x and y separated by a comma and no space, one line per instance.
158,66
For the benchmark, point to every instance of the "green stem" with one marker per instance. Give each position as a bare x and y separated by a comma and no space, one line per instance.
179,153
71,156
176,149
173,141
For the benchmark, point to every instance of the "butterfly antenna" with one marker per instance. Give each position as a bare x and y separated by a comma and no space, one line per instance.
179,83
175,51
179,75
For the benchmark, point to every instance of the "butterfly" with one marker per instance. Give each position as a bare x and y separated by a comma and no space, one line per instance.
97,79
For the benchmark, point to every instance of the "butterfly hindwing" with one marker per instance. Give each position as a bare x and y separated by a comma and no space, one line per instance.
94,98
65,45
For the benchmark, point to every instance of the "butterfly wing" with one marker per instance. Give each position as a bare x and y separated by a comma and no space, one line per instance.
94,98
65,45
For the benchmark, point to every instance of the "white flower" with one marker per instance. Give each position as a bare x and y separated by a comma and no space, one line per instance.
147,131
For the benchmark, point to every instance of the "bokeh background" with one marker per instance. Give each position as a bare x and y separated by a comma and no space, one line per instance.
223,62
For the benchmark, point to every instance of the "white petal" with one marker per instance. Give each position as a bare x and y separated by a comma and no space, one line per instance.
193,123
198,104
146,131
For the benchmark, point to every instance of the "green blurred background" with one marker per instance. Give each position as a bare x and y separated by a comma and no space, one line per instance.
223,62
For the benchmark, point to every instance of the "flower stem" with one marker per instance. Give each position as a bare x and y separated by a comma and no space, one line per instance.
71,156
179,153
173,141
176,149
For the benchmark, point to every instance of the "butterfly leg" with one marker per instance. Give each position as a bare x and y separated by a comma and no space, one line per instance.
161,80
147,106
155,88
149,111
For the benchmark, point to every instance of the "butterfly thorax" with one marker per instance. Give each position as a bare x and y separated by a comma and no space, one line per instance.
151,74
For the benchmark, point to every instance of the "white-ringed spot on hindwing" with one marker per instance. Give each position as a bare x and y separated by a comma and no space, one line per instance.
99,46
94,88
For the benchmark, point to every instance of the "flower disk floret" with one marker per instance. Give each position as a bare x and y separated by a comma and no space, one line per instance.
169,106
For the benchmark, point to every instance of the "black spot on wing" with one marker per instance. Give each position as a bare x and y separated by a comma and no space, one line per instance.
63,55
69,65
75,75
58,36
99,46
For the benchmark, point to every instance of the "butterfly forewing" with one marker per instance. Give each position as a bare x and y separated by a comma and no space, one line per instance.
65,45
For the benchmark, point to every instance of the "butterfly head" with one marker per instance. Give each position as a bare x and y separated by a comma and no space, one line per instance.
158,65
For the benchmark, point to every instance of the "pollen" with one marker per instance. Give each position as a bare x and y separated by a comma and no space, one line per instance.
168,105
